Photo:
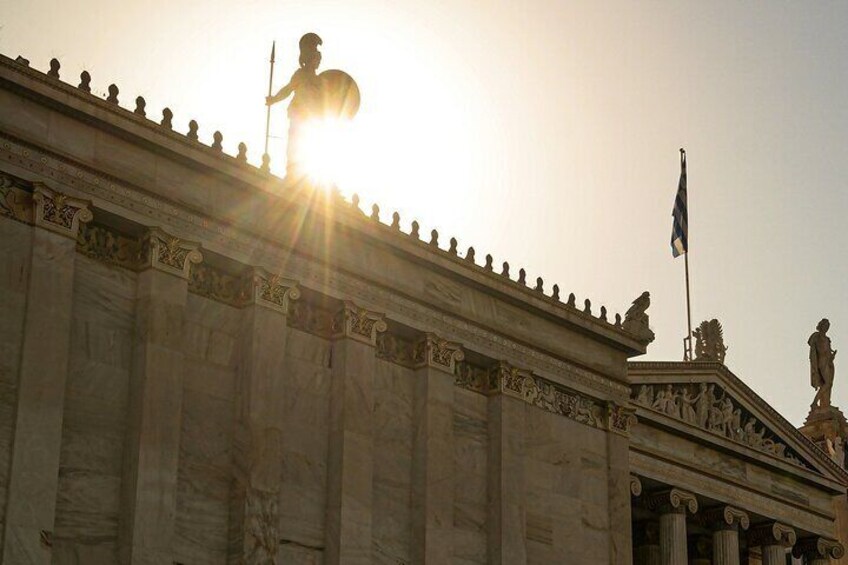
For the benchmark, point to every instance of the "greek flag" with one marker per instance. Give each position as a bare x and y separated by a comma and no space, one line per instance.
680,226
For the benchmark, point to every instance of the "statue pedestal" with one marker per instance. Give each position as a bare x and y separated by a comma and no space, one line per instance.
828,429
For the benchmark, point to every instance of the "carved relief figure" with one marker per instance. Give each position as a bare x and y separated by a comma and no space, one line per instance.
705,399
709,342
687,407
821,364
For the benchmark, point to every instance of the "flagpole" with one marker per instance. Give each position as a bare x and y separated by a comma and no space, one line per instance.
687,355
268,112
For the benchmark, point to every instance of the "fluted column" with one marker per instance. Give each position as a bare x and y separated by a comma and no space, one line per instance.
646,544
350,468
432,455
45,347
726,522
506,541
818,551
773,538
149,484
672,506
257,457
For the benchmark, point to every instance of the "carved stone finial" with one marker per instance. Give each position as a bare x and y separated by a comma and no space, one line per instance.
266,163
113,94
572,300
217,141
242,153
540,285
22,60
271,291
375,212
773,533
358,323
489,261
709,342
139,106
58,212
85,82
505,270
617,320
167,118
192,130
635,486
555,293
354,202
434,238
469,255
587,306
522,276
433,351
54,68
603,315
453,244
672,500
170,254
396,221
814,548
414,232
636,319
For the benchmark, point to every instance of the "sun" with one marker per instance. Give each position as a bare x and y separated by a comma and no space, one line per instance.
327,151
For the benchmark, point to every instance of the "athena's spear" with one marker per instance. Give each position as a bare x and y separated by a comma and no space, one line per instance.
267,158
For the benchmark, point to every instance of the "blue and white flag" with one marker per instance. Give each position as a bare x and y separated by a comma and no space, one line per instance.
680,226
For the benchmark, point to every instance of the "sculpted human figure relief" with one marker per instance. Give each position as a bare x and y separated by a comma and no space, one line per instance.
821,364
709,342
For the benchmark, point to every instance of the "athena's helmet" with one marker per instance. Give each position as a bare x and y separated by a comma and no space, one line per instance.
309,48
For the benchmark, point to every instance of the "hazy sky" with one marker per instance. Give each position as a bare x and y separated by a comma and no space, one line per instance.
546,134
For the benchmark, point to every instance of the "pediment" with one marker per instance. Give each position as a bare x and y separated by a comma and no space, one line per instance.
711,400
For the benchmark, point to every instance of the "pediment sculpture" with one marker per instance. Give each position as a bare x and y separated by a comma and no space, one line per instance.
709,342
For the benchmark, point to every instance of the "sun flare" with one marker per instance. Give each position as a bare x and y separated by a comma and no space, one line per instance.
326,150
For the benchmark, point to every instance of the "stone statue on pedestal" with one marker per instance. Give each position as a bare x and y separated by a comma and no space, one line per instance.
821,365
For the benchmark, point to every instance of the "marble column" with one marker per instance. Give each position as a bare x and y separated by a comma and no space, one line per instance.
45,347
646,542
773,538
818,551
506,534
619,484
257,458
151,453
672,506
433,457
725,521
351,445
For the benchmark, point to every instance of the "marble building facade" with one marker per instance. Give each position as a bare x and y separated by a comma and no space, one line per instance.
205,364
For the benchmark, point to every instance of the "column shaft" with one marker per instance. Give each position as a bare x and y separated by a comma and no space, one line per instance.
673,550
34,472
726,546
618,484
774,555
647,555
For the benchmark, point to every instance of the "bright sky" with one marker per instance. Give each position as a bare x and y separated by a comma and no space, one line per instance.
546,133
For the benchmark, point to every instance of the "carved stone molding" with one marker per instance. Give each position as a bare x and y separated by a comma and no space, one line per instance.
433,351
271,291
773,533
162,251
635,486
15,199
818,548
711,408
58,212
724,517
358,323
672,500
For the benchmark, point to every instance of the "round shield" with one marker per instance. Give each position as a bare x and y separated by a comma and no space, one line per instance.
340,93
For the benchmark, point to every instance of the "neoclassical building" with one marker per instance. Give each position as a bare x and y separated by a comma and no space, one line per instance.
205,364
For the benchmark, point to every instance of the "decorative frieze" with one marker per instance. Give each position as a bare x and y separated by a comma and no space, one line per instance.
218,285
773,533
170,254
620,418
58,212
358,323
672,500
699,404
813,548
105,245
472,377
15,199
311,318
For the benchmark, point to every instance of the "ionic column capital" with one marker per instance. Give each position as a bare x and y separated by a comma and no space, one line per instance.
433,351
635,486
818,548
672,500
165,252
58,212
358,323
725,517
270,290
773,533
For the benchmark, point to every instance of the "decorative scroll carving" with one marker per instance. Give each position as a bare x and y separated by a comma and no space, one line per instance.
709,342
635,486
672,500
818,548
636,319
358,323
698,404
15,199
168,253
432,351
105,245
58,212
261,521
218,285
774,533
725,517
271,290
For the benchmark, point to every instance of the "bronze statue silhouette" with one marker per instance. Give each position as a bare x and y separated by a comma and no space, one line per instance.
821,365
331,94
